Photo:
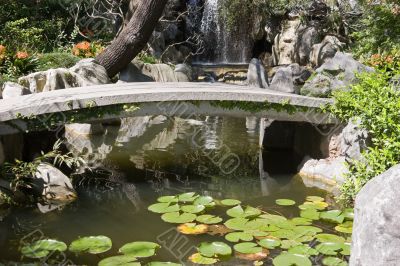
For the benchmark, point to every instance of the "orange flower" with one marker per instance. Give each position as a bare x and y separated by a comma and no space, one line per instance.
2,52
22,55
83,46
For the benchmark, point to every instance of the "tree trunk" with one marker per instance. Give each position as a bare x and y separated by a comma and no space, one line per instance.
133,37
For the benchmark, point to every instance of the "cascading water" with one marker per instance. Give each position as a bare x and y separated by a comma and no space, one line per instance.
221,45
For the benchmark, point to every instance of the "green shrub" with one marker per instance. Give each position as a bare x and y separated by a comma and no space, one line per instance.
375,102
56,60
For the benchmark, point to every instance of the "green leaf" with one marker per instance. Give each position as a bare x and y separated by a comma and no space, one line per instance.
42,248
199,259
329,238
269,243
204,200
247,248
288,259
230,202
311,214
285,202
333,261
208,219
168,199
303,230
237,236
237,224
333,216
349,214
346,227
317,205
303,250
193,208
301,221
140,249
187,197
177,218
329,248
346,249
284,233
239,212
214,249
314,198
91,244
159,263
121,260
163,208
286,244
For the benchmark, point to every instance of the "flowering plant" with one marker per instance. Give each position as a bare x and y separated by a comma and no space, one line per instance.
86,49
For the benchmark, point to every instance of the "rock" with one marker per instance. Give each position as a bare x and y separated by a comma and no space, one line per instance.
353,141
86,72
286,79
337,73
11,90
141,72
305,42
53,185
375,238
325,50
330,171
256,75
84,129
157,44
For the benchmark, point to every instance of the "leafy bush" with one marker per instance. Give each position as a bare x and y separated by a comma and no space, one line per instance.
56,60
375,102
87,49
14,65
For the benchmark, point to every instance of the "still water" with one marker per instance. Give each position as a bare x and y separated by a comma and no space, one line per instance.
142,159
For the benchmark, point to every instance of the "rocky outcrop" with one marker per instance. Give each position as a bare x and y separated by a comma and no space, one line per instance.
325,50
11,90
375,238
86,72
138,71
288,79
256,75
337,73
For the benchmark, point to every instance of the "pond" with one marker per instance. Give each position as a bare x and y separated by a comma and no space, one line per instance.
143,159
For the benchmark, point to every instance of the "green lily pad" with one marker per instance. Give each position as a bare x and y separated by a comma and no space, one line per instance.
348,214
303,250
317,205
301,221
286,244
121,260
177,218
304,230
159,263
163,208
328,248
346,227
197,258
239,212
214,249
192,229
187,197
208,219
284,233
346,249
237,224
42,248
168,199
333,216
207,201
247,248
269,243
91,244
285,225
315,199
230,202
333,261
140,249
193,208
311,214
285,202
329,238
273,219
238,236
288,259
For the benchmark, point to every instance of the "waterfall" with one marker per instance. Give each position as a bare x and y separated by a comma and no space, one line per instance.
221,46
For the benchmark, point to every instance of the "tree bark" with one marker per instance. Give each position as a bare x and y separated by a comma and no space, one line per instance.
133,37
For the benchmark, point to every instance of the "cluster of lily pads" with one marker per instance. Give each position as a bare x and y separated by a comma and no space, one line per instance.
318,234
131,252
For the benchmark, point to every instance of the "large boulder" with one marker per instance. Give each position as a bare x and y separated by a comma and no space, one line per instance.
86,72
325,50
53,185
138,71
337,73
256,75
11,90
376,230
287,79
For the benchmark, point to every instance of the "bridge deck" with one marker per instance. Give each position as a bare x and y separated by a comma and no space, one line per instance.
111,94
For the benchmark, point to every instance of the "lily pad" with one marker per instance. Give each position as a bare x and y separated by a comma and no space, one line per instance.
269,242
247,248
317,205
288,259
207,201
208,219
315,198
197,258
285,202
346,227
168,199
333,261
303,250
333,216
193,229
253,256
328,248
237,224
346,249
272,218
140,249
163,208
301,221
193,208
42,248
91,244
159,263
284,233
238,236
214,249
187,197
177,218
239,212
348,214
303,230
230,202
121,260
311,214
218,229
329,238
286,244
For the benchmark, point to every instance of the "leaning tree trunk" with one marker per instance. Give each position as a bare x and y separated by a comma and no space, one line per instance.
133,37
